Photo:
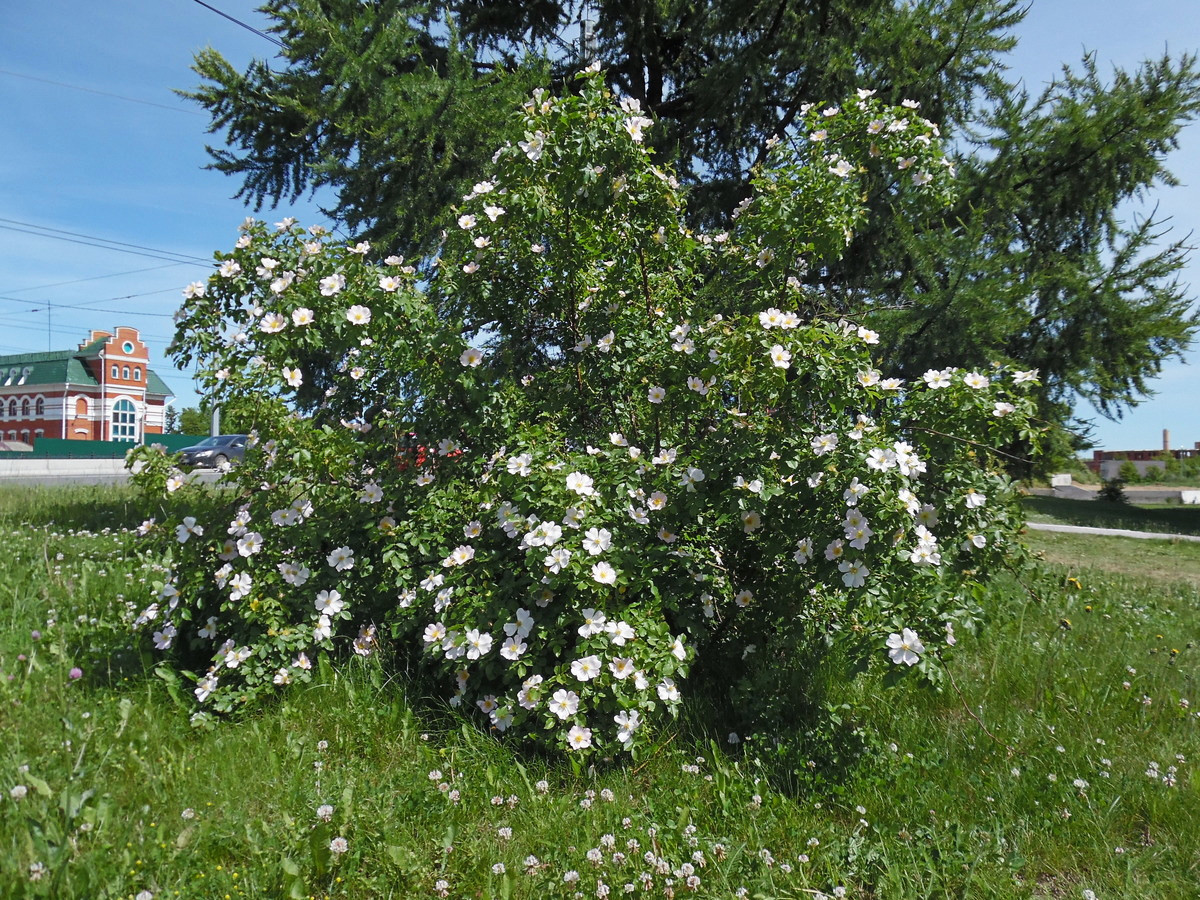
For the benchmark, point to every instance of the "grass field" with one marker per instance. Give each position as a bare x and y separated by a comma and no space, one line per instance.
1173,519
1061,763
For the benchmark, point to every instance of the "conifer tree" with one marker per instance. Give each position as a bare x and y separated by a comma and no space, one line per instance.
391,105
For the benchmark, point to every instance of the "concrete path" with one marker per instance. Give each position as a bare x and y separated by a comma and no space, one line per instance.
1112,532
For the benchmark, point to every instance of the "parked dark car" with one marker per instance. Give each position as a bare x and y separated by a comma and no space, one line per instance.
215,452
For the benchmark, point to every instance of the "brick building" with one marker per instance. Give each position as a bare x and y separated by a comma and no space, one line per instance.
104,391
1107,463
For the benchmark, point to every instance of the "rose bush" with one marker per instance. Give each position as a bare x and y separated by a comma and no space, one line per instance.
583,450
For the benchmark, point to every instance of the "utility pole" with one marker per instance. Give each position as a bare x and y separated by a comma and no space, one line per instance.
588,45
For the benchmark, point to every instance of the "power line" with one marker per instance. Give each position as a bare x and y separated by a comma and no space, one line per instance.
42,304
90,241
76,87
39,287
250,28
59,329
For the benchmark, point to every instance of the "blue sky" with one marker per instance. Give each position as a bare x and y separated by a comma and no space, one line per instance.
93,142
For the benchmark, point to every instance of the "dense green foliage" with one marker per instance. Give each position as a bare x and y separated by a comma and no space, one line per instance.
391,106
588,453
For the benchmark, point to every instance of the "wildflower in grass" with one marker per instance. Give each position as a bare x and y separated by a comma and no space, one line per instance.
75,674
338,846
905,648
18,792
325,812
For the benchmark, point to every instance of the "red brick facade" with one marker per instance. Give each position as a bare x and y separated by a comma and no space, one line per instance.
103,391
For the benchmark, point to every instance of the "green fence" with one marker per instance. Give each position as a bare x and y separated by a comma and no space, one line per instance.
58,448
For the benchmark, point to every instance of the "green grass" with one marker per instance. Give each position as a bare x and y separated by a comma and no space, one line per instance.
912,793
1171,519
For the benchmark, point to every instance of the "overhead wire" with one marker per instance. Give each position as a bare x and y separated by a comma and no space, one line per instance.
76,87
38,287
90,240
250,28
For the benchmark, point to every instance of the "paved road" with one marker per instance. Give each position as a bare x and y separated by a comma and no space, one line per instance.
1113,532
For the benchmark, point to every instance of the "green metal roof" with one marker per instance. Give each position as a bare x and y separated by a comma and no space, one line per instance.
65,367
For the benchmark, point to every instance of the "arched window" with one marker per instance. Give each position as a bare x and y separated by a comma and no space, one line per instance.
39,406
116,372
25,407
12,412
81,410
40,433
125,372
25,436
137,374
124,421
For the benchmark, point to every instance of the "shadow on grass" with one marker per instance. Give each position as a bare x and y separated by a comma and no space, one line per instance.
1097,513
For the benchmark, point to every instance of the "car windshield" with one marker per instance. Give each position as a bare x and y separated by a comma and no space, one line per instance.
219,441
